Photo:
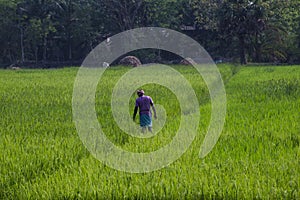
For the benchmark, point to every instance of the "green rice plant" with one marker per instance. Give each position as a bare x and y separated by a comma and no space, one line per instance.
256,157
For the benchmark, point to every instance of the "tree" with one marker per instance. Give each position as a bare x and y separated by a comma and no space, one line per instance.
276,43
66,30
65,19
33,13
203,16
241,19
9,46
125,13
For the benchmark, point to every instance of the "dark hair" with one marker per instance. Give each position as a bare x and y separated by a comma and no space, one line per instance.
140,93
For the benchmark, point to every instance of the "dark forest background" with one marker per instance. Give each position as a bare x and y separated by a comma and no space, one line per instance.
63,32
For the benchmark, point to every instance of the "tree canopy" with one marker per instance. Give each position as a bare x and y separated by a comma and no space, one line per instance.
40,31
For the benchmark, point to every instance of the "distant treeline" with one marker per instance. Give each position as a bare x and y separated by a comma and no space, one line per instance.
65,31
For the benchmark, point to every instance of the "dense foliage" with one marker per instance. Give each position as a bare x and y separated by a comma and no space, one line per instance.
66,30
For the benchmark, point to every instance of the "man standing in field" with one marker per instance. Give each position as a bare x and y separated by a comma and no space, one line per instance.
143,103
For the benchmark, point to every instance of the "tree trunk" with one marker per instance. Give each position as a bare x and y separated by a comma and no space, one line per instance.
45,48
22,45
36,54
11,60
243,58
69,46
70,51
69,29
257,49
258,53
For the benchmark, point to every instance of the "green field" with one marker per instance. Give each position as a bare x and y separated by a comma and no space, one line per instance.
256,157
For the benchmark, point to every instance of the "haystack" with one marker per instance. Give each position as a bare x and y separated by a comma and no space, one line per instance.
187,61
130,61
15,67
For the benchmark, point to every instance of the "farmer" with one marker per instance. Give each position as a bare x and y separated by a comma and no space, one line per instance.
143,103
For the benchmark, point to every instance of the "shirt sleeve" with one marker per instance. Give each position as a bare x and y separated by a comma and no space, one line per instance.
151,101
136,103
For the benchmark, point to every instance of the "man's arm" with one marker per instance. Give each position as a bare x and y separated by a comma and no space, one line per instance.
154,110
135,112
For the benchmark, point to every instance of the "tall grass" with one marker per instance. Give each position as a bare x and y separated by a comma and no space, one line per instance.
256,157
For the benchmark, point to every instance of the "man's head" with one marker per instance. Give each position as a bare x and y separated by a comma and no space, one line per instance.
140,93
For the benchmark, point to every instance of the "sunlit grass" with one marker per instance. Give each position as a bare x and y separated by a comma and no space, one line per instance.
257,156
